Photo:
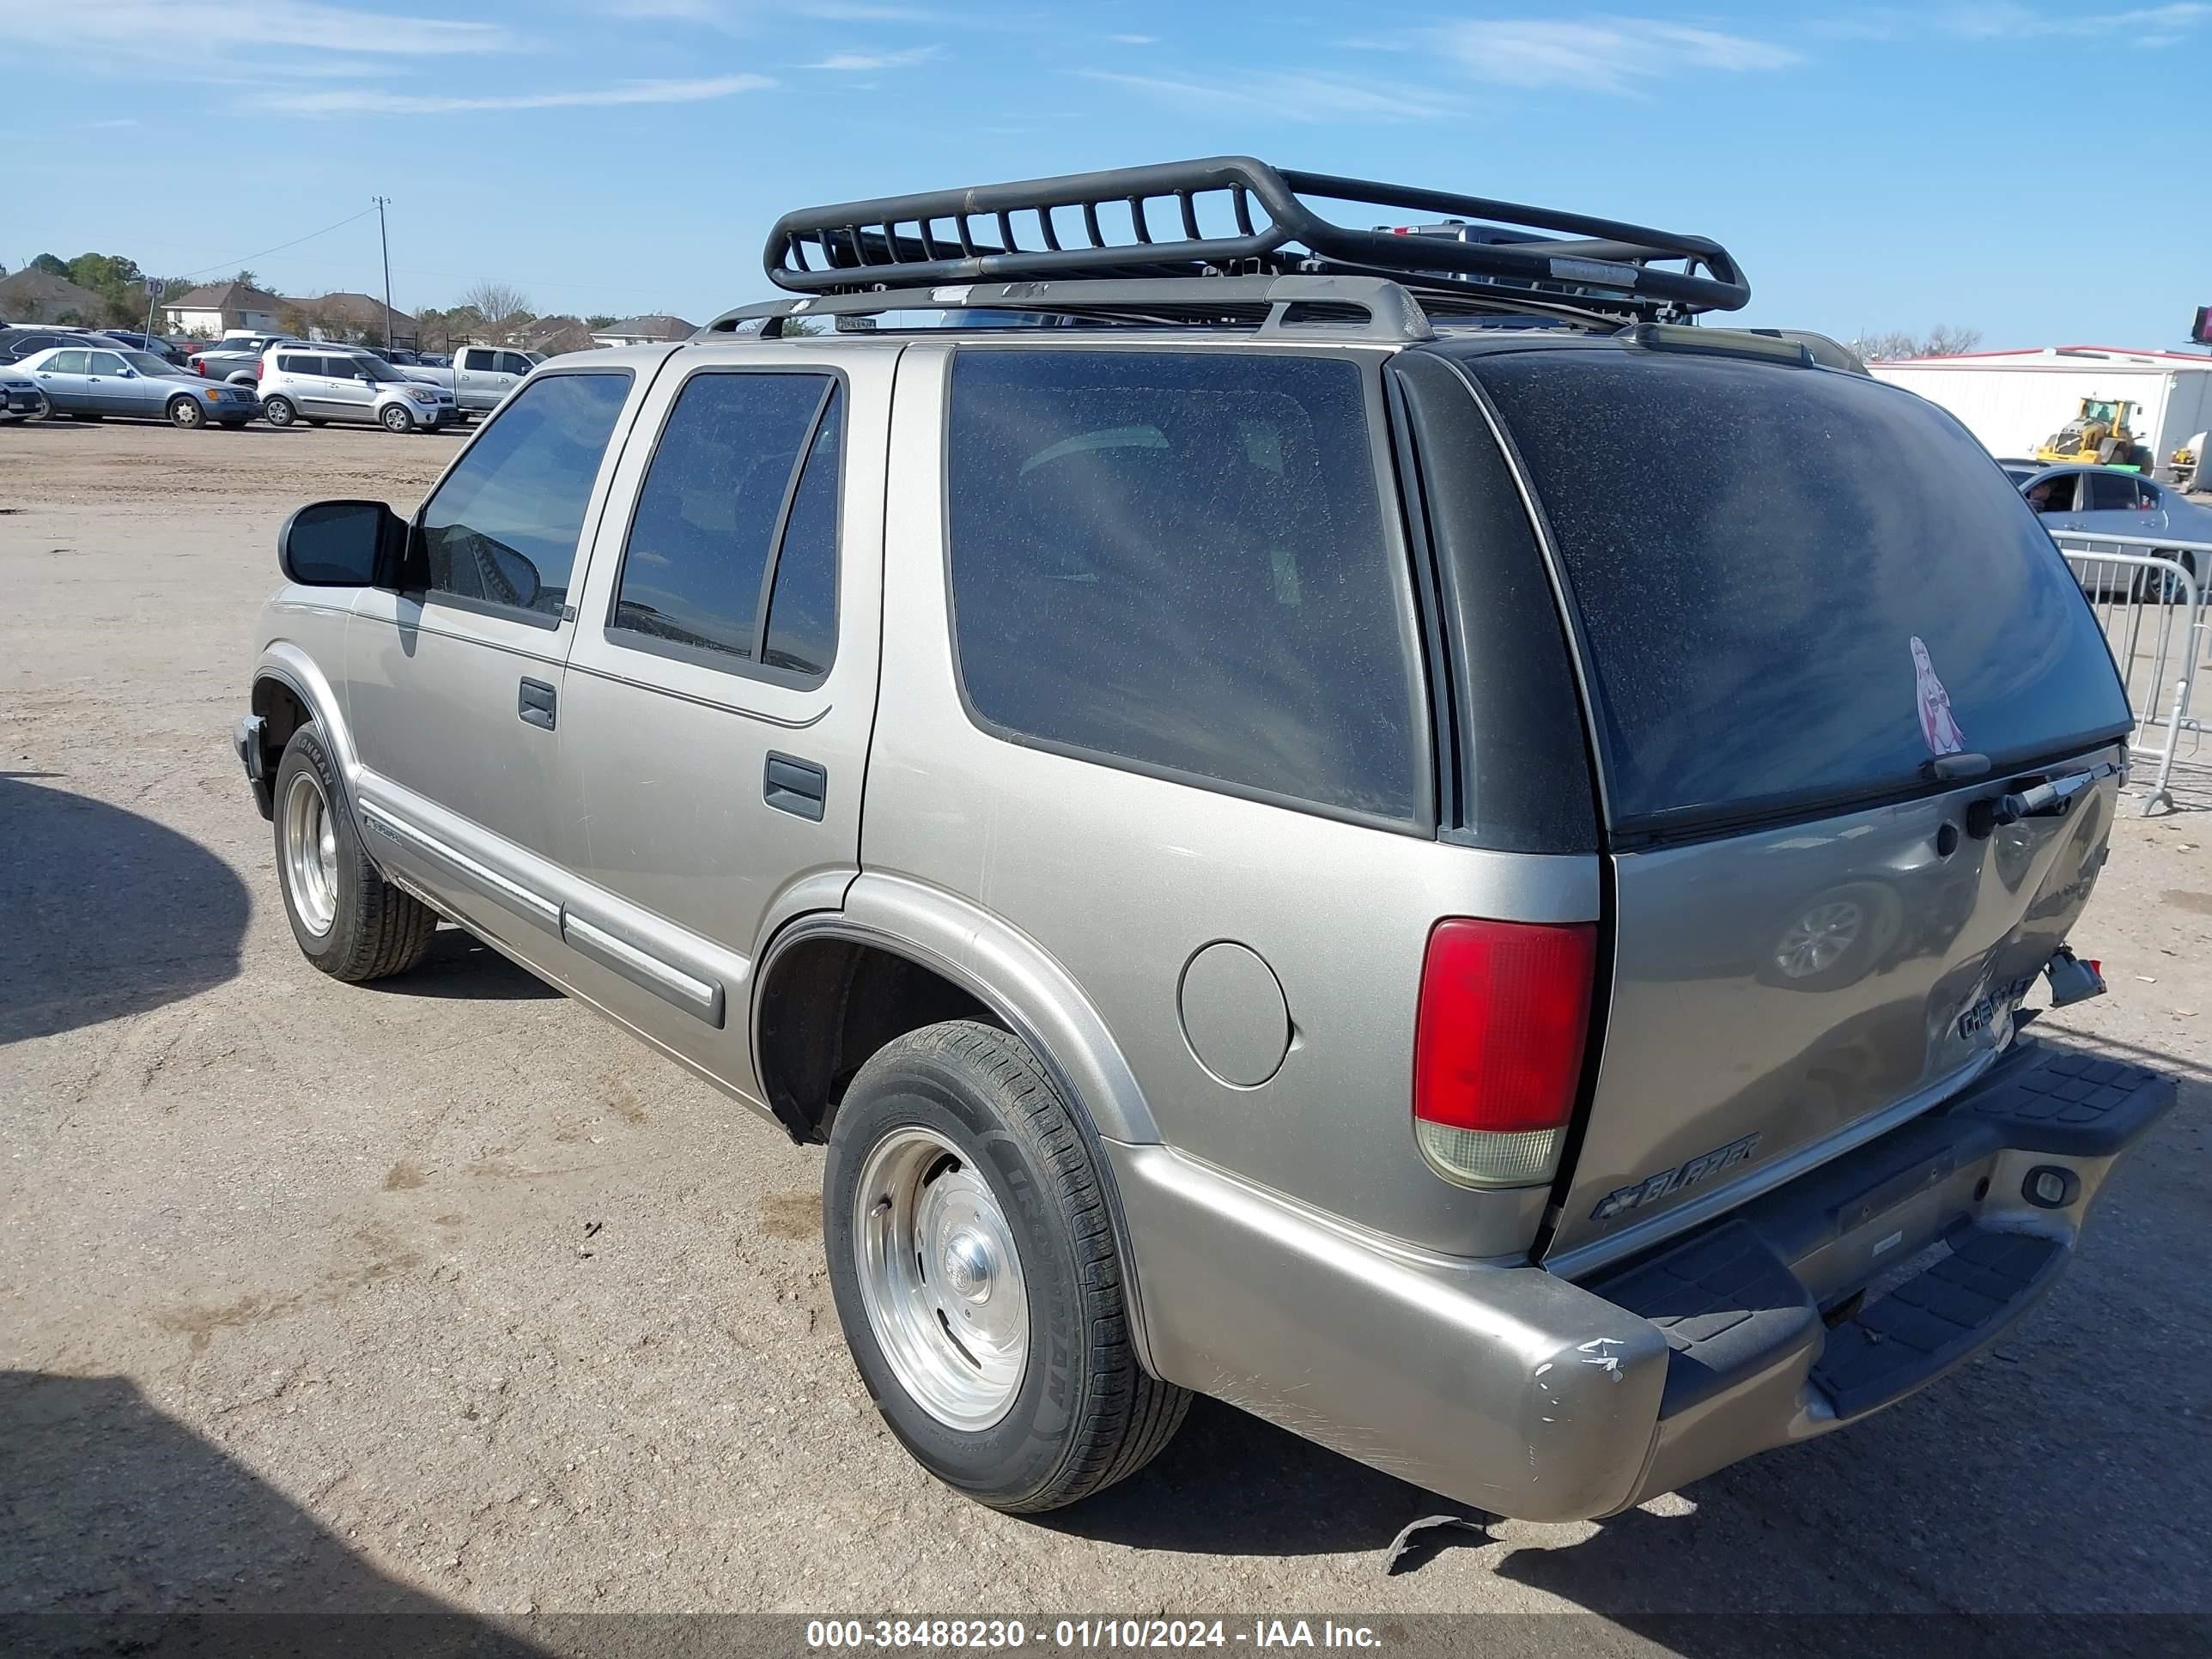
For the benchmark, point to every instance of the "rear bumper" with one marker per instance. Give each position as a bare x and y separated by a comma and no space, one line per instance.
1519,1392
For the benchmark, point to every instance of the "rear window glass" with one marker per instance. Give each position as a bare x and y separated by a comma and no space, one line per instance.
1178,559
1794,586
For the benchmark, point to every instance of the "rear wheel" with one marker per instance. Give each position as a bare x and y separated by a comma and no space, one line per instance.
316,420
396,419
348,920
971,1252
187,412
279,411
89,419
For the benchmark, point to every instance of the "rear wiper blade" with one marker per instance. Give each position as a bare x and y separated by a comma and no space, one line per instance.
2051,799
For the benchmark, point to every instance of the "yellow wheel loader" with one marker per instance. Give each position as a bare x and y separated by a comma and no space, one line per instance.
2101,435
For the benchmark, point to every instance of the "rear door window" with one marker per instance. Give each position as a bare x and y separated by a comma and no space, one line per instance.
723,493
2110,493
1794,586
1178,560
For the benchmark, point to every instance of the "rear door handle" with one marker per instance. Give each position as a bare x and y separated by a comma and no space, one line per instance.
535,703
794,786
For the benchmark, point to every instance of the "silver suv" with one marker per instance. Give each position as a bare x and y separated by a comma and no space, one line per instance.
1382,836
321,383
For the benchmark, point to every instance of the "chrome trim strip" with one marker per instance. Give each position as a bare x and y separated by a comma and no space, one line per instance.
499,888
700,997
1601,1252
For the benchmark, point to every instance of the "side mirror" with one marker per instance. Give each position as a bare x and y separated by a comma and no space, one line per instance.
342,544
130,373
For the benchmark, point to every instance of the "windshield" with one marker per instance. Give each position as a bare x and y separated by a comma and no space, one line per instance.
147,363
376,370
1794,586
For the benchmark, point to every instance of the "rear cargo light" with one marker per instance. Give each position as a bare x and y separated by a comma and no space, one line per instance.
1498,1047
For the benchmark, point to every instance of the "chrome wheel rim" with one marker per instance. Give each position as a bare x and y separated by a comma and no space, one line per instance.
311,855
941,1280
397,419
278,411
1818,938
185,413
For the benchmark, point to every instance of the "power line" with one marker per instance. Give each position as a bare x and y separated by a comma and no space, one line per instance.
239,262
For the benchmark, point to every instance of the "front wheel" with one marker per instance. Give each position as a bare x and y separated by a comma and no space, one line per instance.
279,411
971,1253
396,419
349,921
187,412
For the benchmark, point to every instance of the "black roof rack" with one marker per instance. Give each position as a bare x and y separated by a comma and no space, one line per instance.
1109,226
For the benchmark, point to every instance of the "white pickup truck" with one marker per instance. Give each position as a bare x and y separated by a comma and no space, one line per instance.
480,375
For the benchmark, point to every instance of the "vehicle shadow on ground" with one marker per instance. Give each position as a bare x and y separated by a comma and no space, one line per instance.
462,968
107,913
1231,1484
125,1532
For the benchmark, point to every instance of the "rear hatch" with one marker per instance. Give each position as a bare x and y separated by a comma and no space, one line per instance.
1816,625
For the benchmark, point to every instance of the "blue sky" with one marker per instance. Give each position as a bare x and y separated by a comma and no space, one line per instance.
2006,166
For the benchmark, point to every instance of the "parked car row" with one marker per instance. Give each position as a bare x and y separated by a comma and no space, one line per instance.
274,377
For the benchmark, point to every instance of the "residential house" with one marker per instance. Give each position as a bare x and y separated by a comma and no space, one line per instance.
643,330
220,308
555,336
348,317
31,295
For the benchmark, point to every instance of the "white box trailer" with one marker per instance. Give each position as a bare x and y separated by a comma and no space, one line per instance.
2014,401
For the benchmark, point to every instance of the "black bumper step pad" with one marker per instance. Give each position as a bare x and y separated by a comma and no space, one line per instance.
1891,1347
2068,1103
1727,1305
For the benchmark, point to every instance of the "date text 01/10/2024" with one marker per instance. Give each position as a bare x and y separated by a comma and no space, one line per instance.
1092,1634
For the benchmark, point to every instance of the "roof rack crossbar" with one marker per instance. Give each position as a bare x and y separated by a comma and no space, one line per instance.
1611,266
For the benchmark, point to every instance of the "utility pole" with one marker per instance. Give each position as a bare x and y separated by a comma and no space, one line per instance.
385,242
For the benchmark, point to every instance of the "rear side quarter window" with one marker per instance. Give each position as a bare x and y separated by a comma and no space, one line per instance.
1178,562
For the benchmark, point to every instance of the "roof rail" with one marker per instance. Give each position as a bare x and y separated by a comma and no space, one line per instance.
1357,307
1101,225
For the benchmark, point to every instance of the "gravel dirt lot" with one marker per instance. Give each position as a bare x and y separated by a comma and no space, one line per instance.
444,1292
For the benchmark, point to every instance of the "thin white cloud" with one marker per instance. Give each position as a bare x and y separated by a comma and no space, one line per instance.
377,101
97,126
867,62
1134,39
1284,96
204,27
1595,54
2004,20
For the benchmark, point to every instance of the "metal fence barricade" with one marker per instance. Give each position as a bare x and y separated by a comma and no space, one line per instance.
2150,602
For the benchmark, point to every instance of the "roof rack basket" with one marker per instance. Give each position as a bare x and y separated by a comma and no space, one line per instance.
1145,222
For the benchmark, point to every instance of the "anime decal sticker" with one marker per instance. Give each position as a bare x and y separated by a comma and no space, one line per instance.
1936,723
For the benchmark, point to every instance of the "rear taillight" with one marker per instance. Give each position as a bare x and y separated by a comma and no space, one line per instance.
257,371
1498,1047
199,366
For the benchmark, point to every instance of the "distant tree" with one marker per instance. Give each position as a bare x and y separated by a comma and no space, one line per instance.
502,311
52,264
1944,340
599,321
245,278
373,335
104,272
292,319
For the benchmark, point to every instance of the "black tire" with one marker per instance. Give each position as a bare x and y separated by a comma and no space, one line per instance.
90,420
1086,1414
279,411
376,928
186,414
396,419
